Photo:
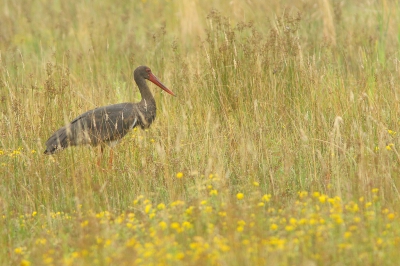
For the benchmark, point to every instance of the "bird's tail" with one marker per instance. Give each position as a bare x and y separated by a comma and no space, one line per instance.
57,142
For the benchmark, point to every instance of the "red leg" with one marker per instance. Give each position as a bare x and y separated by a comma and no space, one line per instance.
110,160
100,156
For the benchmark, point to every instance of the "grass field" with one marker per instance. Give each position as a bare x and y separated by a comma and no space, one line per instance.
282,147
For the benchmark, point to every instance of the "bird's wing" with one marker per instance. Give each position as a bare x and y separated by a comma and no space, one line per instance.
96,126
104,124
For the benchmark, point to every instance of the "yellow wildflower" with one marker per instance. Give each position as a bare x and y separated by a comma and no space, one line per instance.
239,196
177,203
303,221
289,228
194,245
245,242
344,246
278,243
180,255
175,225
18,251
163,225
189,210
214,192
302,194
241,223
389,146
353,228
99,240
84,223
187,225
179,175
240,228
208,209
25,263
337,218
266,197
347,234
391,216
41,241
136,201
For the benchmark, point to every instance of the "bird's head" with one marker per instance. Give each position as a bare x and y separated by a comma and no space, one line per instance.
145,72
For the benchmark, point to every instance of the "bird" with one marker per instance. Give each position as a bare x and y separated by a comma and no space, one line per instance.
108,124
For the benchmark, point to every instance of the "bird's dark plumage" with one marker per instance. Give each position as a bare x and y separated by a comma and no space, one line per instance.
109,123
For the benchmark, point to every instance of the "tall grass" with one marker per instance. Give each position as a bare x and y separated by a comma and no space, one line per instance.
273,99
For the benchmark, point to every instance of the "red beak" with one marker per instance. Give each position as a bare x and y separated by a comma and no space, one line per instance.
155,80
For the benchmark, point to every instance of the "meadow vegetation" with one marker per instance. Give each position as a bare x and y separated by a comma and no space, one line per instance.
280,149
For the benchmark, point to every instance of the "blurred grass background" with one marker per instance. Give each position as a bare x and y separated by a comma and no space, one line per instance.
296,96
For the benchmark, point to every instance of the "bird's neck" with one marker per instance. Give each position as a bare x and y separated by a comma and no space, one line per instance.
147,106
144,91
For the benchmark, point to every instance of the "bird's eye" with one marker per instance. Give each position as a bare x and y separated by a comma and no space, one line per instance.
148,70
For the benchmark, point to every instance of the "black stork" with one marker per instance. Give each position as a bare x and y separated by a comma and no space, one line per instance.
108,124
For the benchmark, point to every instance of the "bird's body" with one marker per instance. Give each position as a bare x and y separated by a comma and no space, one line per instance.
110,123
